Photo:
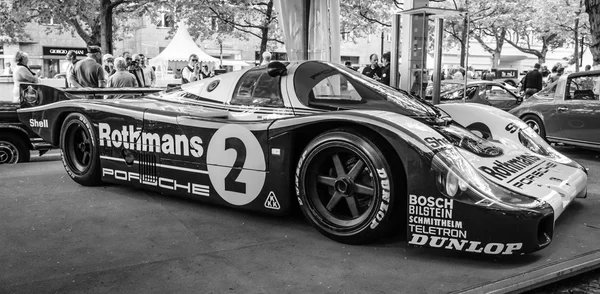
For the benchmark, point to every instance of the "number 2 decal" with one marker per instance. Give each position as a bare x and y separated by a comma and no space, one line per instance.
236,164
231,183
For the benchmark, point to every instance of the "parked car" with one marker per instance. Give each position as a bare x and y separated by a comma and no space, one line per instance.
566,111
360,159
478,91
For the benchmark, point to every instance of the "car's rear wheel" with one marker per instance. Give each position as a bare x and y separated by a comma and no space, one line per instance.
79,150
536,124
13,149
345,187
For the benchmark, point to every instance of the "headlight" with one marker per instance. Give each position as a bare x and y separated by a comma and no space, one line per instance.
528,137
456,178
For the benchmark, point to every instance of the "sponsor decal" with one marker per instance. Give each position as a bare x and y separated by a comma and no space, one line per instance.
272,202
160,182
465,245
297,179
433,216
511,128
502,170
385,198
38,123
30,95
436,143
536,173
127,137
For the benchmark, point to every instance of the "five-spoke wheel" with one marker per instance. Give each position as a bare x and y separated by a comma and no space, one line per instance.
79,150
345,187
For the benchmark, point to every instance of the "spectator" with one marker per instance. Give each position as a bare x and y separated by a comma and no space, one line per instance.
7,69
458,75
89,72
121,78
22,74
588,67
470,73
108,65
205,73
190,72
373,70
136,69
266,58
71,80
532,82
552,73
149,74
488,75
385,71
555,77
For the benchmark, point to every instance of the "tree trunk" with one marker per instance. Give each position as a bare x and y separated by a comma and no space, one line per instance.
106,26
592,7
576,53
265,29
463,43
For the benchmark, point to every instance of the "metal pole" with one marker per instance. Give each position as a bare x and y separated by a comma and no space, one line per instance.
423,55
437,68
394,56
467,56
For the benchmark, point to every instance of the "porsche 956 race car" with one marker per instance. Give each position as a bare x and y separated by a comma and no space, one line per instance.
359,158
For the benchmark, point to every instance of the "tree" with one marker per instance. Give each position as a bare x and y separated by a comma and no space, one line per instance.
92,20
592,7
492,27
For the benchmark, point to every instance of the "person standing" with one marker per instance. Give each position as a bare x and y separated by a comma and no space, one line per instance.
89,72
149,74
205,73
488,75
22,74
266,58
532,82
71,80
7,69
121,78
190,72
108,65
385,71
555,77
373,70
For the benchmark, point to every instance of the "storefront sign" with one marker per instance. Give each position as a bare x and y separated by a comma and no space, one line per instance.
62,51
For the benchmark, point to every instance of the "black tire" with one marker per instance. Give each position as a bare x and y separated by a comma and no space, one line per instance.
535,123
331,171
79,150
13,149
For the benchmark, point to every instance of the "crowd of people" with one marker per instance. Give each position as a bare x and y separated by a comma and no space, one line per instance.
94,71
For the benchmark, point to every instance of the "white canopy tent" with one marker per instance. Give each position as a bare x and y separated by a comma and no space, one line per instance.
176,55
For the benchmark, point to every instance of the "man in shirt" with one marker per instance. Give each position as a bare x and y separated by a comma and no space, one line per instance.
136,69
373,70
89,72
385,71
532,83
70,74
149,75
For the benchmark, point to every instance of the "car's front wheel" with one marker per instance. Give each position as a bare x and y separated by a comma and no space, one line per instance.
536,124
346,188
79,150
12,149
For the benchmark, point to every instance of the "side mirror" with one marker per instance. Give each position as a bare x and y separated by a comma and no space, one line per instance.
276,68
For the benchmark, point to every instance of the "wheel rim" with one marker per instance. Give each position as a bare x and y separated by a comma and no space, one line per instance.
533,125
8,153
78,148
340,187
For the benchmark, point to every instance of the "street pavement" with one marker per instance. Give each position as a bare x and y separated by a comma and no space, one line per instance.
60,237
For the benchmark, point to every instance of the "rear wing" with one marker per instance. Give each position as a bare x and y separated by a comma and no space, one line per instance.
39,94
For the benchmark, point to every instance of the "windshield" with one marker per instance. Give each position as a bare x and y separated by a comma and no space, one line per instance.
320,84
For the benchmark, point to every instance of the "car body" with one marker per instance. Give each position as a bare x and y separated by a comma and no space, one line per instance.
478,91
566,111
361,159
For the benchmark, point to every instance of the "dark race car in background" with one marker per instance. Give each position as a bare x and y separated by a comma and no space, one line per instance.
361,159
566,111
490,93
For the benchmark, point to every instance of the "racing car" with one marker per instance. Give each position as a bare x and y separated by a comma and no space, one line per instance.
361,159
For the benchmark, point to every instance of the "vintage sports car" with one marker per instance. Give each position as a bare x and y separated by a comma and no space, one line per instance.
361,159
478,91
566,111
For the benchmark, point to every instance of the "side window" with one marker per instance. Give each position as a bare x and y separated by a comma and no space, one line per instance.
335,87
499,93
549,91
458,94
257,88
583,88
